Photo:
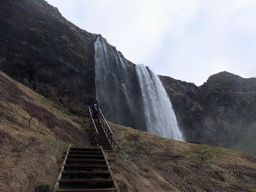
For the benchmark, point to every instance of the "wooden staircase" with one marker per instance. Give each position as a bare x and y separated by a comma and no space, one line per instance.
101,130
102,139
84,170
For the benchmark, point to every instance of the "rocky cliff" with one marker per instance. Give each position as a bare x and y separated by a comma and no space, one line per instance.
44,51
220,112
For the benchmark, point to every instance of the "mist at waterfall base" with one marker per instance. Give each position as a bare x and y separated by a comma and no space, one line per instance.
132,95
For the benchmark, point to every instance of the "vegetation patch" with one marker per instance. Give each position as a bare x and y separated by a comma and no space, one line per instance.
176,166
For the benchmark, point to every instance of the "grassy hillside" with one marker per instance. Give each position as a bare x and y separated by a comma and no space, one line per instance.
246,140
33,135
34,131
168,165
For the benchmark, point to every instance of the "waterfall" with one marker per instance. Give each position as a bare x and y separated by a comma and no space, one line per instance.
132,95
159,114
117,89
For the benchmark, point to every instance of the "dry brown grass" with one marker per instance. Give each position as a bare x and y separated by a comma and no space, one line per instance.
169,165
33,135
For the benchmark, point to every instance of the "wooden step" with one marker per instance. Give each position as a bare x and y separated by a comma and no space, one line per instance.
86,183
88,190
94,161
102,137
85,174
86,156
85,149
86,166
86,180
106,142
84,152
91,167
86,170
103,143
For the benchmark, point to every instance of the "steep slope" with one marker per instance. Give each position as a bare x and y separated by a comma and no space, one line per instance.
33,135
44,51
220,112
168,165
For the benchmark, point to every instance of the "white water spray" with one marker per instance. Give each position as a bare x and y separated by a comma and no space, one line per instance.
159,114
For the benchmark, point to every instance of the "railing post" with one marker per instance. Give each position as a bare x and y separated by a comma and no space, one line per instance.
94,130
106,127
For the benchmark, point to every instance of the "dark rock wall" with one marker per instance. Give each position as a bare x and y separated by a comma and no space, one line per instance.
42,50
216,112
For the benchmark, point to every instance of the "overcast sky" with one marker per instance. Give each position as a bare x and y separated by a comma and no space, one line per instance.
184,39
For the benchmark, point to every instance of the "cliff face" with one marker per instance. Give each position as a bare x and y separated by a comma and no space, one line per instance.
117,86
44,51
220,112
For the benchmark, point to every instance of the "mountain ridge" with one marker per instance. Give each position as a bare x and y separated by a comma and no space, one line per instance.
47,53
53,57
231,81
216,112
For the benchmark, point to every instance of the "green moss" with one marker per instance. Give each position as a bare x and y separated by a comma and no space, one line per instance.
62,144
199,153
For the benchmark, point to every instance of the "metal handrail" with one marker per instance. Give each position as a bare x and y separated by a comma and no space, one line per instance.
106,127
95,130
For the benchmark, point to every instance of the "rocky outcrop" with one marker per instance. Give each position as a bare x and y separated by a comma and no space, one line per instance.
184,97
44,51
217,112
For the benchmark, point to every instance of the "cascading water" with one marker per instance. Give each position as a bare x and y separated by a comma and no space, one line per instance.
132,95
159,114
117,89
